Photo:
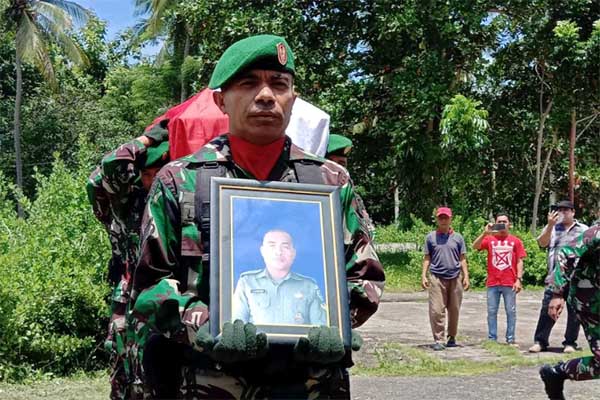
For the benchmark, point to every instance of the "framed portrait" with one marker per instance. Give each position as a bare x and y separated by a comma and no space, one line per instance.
277,258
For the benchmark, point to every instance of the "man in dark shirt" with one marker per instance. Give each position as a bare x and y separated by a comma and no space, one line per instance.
445,259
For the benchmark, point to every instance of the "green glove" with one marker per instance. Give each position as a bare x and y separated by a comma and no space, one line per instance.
159,132
357,341
322,346
239,342
167,317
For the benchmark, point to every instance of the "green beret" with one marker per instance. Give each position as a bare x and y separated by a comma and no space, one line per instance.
157,156
339,145
270,49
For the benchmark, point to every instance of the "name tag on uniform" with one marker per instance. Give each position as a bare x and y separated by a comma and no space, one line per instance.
258,291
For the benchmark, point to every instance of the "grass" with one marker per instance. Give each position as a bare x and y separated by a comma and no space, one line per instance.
402,272
77,387
394,359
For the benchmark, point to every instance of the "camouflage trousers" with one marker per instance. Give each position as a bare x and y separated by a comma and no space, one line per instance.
116,344
586,301
171,373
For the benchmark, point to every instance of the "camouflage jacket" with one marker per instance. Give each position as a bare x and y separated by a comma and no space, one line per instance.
118,198
167,246
578,264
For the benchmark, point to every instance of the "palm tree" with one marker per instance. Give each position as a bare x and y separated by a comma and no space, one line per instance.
154,26
38,23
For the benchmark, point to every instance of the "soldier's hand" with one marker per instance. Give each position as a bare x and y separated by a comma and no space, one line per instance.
239,342
322,346
167,317
158,133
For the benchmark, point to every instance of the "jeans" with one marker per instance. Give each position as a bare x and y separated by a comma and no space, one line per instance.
510,306
545,324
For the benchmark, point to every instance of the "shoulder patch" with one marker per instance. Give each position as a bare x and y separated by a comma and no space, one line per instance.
252,272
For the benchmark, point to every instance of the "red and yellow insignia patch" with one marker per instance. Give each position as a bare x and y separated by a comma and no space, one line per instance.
282,54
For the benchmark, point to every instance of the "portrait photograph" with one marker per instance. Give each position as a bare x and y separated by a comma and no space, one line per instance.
277,257
278,261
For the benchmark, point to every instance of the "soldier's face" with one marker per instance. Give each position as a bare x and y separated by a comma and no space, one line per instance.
278,251
259,105
342,160
147,177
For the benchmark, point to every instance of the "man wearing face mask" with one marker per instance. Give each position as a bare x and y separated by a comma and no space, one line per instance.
562,228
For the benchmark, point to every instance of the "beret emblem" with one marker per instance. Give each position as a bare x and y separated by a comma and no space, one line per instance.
282,54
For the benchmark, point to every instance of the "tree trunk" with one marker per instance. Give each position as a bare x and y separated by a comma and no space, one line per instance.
17,130
572,138
540,171
186,53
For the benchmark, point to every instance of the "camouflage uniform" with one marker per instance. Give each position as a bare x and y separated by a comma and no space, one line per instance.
579,265
171,266
118,198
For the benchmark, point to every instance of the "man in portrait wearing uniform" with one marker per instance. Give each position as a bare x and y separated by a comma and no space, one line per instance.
577,271
117,191
255,78
275,294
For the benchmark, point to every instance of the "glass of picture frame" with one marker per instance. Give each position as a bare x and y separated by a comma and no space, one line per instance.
277,258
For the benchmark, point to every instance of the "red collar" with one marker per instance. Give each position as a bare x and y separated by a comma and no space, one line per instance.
255,159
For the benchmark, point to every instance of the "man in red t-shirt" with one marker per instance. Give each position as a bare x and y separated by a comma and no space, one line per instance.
505,272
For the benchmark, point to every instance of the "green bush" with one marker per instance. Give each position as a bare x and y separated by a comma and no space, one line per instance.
403,270
53,309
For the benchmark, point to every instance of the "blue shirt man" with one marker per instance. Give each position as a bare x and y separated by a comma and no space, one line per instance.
274,294
445,259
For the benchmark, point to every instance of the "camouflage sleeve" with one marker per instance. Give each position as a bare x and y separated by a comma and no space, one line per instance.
159,250
364,272
568,257
121,169
156,276
98,198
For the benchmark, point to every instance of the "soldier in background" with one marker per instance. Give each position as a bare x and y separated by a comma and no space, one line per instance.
117,191
170,287
338,149
275,294
578,271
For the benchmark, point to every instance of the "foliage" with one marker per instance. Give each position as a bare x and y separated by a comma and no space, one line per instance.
53,293
403,270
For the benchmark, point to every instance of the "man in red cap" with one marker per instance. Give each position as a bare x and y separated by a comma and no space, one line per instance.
445,260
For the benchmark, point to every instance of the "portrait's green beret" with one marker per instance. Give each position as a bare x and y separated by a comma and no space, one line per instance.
266,51
339,145
157,156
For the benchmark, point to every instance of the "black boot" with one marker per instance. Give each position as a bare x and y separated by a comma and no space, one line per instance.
554,381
